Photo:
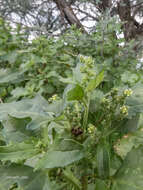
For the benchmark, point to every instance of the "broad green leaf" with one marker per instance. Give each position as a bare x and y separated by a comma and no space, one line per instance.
135,102
100,185
25,108
8,76
115,164
24,177
53,159
56,107
37,109
72,179
67,80
127,142
11,56
18,92
77,75
56,128
17,152
103,161
68,145
33,160
76,93
95,82
128,77
15,129
130,174
37,121
130,125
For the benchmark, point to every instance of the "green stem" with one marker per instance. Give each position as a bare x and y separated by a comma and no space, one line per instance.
45,135
85,117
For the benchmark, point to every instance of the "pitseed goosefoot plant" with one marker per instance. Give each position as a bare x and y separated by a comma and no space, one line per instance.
88,140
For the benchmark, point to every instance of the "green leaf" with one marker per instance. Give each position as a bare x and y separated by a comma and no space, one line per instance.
130,174
128,77
135,102
103,161
16,152
68,145
9,76
73,180
130,125
37,109
15,129
67,80
24,177
11,56
18,92
127,142
53,159
76,93
25,108
100,185
95,82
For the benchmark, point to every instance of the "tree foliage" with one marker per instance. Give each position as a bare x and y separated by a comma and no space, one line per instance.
44,17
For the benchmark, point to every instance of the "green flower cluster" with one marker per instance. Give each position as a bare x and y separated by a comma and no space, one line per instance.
91,129
128,92
113,106
124,110
87,69
55,97
74,114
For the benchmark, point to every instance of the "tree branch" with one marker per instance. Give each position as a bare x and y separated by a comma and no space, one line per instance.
68,14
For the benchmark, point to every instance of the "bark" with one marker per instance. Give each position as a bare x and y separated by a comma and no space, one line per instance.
68,14
104,4
131,28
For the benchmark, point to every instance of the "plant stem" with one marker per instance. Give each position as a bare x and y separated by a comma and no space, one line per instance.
84,182
85,117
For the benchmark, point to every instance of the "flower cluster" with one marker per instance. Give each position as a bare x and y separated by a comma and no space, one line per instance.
55,97
124,110
87,69
91,129
105,101
74,115
113,106
128,92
